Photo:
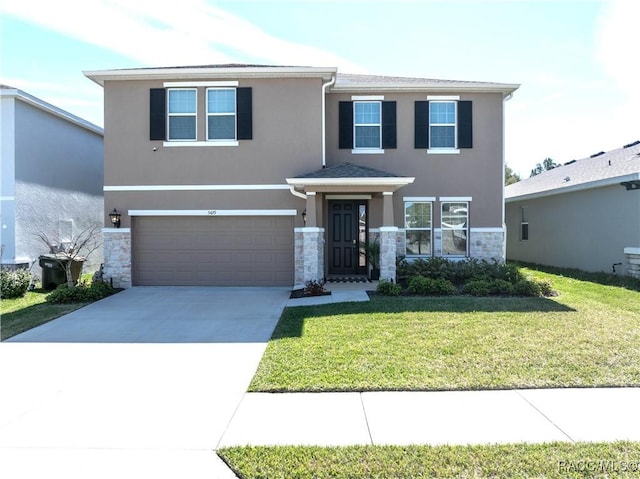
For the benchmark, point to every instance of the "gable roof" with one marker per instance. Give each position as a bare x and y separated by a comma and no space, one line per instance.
348,170
344,82
11,92
602,169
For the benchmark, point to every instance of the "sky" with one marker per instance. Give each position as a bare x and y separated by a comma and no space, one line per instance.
576,61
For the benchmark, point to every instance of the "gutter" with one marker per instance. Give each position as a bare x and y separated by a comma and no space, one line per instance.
325,86
613,181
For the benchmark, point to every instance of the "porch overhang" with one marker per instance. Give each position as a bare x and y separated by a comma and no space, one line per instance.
349,178
349,185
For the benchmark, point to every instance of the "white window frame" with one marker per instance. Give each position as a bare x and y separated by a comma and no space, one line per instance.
444,149
194,114
235,116
524,220
407,228
444,227
367,149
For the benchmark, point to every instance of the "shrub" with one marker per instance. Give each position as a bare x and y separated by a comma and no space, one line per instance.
501,286
314,288
429,286
527,287
387,288
14,284
82,293
477,287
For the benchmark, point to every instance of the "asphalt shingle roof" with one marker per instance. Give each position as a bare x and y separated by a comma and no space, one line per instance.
348,170
607,165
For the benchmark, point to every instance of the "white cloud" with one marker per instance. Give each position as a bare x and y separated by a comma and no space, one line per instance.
163,33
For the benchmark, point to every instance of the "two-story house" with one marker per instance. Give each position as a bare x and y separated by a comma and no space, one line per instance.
50,179
265,175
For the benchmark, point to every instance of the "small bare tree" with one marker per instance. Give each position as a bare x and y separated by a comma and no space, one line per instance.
76,249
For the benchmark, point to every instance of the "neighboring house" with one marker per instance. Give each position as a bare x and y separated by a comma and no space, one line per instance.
262,175
584,214
51,177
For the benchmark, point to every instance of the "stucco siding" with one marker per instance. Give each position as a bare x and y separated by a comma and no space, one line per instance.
58,182
475,172
587,229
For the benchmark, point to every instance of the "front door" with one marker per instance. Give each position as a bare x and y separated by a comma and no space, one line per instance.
347,236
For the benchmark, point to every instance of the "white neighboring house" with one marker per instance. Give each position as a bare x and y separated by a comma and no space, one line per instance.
51,177
584,214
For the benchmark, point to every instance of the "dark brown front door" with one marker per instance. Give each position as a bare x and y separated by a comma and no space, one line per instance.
347,236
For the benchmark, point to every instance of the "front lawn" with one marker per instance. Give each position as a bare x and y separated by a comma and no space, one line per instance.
589,335
554,460
21,314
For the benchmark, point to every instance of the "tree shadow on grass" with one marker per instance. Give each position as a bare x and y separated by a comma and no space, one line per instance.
292,321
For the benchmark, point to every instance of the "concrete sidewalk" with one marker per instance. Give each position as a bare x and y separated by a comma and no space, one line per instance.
459,417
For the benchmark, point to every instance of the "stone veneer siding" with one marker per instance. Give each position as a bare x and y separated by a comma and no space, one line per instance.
487,245
388,252
633,261
117,256
309,255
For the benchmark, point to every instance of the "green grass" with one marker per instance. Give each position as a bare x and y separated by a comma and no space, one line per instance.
589,335
21,314
553,460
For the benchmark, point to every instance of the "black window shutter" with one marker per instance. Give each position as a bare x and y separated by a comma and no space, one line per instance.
345,124
389,136
465,129
157,114
421,124
244,107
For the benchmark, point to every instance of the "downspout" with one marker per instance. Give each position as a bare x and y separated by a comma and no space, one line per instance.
324,118
504,164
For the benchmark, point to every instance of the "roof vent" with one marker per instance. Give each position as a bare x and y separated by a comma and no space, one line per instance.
637,142
597,154
566,179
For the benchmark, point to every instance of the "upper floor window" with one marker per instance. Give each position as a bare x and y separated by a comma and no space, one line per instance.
182,114
367,128
418,227
367,124
226,108
442,124
455,228
221,114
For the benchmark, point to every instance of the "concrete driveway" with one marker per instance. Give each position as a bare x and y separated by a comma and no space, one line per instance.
141,384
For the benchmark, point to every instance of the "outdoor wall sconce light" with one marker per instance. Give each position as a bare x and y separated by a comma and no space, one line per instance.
304,217
115,218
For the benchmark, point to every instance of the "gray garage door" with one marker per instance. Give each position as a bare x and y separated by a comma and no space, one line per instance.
221,251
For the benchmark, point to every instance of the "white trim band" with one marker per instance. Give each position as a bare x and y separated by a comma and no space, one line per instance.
174,143
7,198
393,229
443,97
194,187
116,230
367,151
456,198
443,151
200,83
367,97
212,212
487,230
418,198
347,197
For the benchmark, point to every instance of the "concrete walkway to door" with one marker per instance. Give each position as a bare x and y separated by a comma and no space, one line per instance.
141,384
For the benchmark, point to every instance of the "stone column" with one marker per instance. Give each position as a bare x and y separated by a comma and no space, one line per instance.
388,239
388,248
117,256
309,255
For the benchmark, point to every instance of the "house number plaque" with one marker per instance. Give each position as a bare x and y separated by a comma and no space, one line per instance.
212,212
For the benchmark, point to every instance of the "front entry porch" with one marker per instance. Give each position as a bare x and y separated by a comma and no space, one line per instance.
339,222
